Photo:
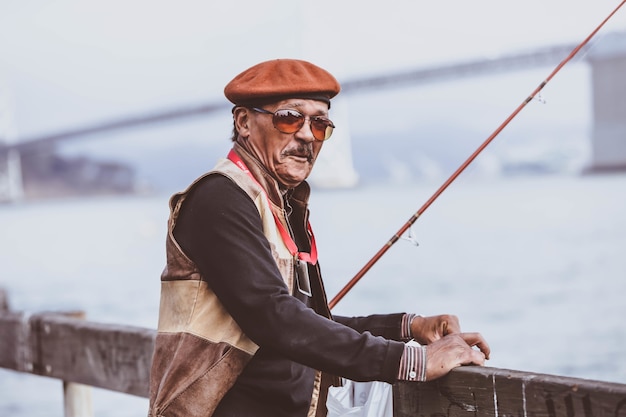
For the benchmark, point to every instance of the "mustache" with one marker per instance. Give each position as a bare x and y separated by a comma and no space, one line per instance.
302,151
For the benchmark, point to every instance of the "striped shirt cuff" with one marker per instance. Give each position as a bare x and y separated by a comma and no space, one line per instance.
405,328
413,364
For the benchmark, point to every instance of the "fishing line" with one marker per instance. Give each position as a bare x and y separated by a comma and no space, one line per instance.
464,165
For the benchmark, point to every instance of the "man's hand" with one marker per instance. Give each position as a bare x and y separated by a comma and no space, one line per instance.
426,330
454,350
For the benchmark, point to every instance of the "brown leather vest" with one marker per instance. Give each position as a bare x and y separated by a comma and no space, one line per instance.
200,350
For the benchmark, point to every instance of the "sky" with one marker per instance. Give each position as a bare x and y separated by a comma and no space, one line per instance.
68,63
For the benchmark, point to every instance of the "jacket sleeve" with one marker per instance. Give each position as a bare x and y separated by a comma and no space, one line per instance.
388,326
220,229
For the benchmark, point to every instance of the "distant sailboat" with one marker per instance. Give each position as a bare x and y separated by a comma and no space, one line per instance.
334,167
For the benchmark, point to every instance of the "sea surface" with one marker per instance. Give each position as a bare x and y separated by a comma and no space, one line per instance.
537,264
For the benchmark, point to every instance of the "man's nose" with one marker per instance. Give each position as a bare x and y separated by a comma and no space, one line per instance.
305,133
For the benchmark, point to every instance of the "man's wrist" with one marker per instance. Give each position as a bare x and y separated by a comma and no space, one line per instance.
405,327
413,364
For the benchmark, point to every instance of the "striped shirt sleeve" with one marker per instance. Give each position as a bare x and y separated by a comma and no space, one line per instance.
413,364
413,361
405,329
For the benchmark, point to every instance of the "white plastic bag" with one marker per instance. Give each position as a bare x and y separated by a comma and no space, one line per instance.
360,399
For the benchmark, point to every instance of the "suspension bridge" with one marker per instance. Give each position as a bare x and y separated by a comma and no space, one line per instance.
607,61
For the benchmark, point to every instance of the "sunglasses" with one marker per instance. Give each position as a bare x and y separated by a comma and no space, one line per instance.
290,121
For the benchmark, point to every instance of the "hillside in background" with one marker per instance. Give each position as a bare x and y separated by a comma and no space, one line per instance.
431,152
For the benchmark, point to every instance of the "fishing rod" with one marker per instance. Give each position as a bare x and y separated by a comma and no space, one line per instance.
463,166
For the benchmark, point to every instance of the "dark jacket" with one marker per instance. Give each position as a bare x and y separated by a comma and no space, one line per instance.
236,336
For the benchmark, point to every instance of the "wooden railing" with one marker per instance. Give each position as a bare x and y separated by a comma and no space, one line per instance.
117,358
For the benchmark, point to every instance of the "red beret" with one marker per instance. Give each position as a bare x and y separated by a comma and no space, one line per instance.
279,79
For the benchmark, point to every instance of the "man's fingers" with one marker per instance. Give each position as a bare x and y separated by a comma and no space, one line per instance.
473,357
476,339
451,325
455,350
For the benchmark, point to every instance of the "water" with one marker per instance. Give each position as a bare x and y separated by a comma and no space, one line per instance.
537,264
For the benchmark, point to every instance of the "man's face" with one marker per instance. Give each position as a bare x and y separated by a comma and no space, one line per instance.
289,157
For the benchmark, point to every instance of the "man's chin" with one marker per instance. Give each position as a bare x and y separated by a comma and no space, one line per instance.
293,179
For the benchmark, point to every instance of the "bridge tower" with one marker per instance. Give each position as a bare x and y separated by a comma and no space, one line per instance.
11,187
608,71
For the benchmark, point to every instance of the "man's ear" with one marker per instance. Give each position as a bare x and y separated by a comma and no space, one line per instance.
241,119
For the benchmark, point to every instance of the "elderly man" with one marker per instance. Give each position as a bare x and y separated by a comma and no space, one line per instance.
244,326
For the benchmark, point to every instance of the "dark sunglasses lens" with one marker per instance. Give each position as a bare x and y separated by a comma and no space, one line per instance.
288,121
322,128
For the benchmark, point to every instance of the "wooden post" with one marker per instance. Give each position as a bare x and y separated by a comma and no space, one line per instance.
77,400
77,397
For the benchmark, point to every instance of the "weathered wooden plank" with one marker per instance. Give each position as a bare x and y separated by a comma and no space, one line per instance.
109,356
483,391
